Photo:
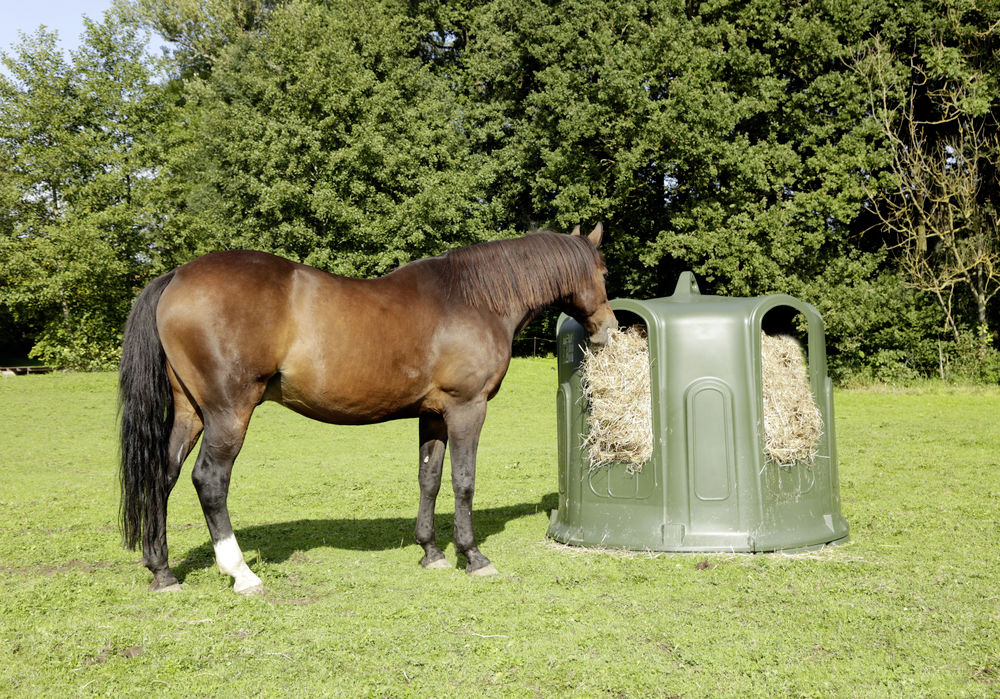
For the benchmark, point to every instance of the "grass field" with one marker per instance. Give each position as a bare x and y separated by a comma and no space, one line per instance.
325,515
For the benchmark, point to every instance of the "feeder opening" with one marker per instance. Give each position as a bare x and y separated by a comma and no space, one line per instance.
615,380
793,424
788,321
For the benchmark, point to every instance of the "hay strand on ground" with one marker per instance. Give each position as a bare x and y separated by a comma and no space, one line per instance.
793,423
615,382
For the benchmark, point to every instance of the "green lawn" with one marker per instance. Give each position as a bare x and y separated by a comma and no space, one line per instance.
325,515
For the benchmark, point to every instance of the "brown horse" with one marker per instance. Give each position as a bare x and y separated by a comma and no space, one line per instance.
208,342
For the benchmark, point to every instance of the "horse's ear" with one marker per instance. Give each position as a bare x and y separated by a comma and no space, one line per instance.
576,231
596,234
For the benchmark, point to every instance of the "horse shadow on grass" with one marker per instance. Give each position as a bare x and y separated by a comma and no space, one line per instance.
278,541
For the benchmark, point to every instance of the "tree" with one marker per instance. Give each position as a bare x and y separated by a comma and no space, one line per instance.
726,138
717,137
199,30
73,138
325,139
937,199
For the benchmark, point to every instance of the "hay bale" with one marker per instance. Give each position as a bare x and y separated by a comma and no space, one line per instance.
793,423
615,382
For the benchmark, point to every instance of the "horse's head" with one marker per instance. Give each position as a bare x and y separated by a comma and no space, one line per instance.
588,304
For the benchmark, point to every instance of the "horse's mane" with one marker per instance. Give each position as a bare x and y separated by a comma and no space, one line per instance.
527,272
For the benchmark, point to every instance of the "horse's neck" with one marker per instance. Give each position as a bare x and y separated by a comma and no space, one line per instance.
425,274
519,320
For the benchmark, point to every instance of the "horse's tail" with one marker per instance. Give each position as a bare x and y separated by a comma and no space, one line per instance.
146,408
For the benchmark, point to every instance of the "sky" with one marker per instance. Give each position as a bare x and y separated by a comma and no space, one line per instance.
63,16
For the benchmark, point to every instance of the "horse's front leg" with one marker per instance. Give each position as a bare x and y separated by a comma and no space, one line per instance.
433,438
464,426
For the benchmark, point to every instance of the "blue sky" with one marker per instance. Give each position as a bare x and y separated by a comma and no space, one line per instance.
63,16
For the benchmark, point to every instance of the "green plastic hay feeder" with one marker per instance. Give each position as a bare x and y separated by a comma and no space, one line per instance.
708,485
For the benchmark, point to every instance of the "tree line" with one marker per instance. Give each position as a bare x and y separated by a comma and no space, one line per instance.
844,153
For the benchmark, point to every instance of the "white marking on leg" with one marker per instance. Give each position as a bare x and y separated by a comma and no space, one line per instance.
426,459
230,560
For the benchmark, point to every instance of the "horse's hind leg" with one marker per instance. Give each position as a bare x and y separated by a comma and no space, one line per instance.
183,436
223,438
433,438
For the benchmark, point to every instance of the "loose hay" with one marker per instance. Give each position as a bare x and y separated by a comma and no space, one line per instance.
615,382
793,423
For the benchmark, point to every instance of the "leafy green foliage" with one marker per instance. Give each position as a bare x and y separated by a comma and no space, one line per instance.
74,140
730,140
685,130
200,30
936,194
326,142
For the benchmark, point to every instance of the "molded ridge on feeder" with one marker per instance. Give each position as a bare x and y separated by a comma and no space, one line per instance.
710,484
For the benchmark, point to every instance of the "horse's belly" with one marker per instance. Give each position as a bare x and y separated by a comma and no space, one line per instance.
346,402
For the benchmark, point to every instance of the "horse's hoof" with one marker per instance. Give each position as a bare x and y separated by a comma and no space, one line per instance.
173,587
251,591
438,564
485,571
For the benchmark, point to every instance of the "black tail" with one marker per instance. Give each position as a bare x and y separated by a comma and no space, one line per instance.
146,409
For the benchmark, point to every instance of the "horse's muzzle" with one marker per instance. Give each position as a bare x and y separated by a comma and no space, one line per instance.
600,338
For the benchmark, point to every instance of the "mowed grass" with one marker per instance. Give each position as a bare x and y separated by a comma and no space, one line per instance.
325,516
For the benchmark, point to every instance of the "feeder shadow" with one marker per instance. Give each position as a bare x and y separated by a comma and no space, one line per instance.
277,541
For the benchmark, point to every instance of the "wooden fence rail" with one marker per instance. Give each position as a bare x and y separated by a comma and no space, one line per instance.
21,370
